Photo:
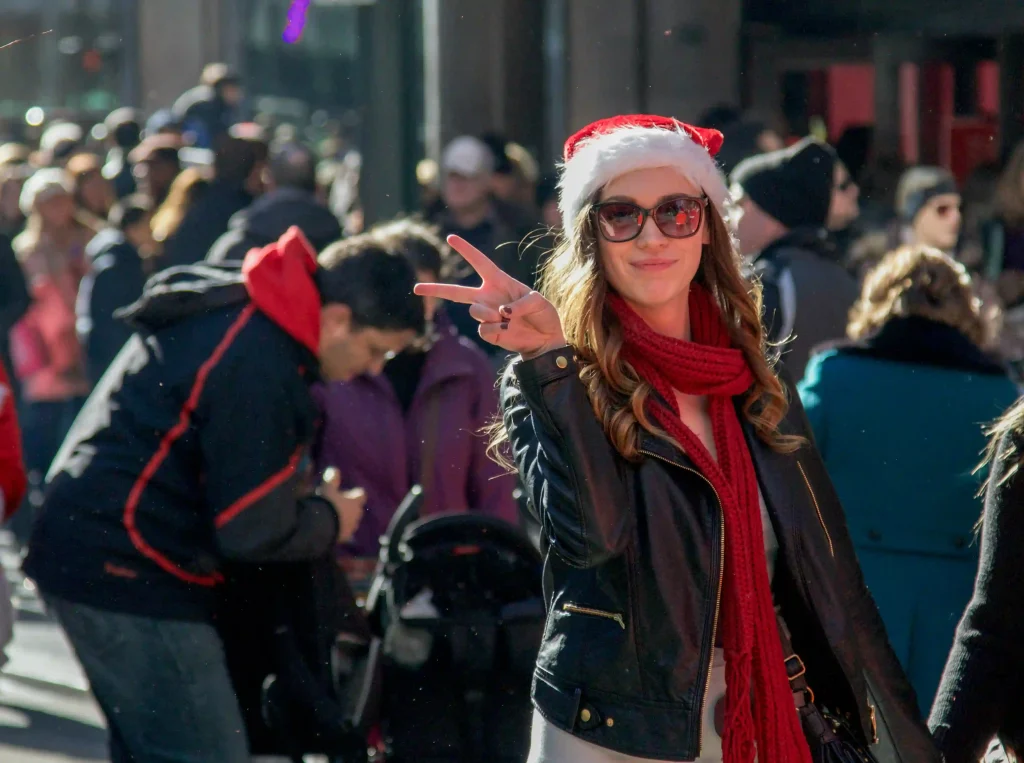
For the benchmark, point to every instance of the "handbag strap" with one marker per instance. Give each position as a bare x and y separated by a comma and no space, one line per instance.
795,668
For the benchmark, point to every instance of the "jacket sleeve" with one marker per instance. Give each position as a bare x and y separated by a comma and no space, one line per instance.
491,488
572,474
14,296
898,715
986,666
12,468
253,456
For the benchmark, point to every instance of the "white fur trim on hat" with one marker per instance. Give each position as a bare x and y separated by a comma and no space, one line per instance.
604,157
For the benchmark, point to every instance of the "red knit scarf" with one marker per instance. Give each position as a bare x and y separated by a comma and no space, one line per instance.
710,366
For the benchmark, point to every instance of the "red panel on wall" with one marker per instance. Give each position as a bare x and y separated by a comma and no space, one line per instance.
851,97
910,88
988,87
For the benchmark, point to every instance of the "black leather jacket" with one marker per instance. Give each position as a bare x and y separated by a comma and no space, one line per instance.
633,580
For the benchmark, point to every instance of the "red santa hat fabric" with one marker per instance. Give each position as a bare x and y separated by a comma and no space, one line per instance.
605,149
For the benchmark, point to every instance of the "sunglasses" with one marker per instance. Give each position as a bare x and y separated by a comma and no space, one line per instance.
678,217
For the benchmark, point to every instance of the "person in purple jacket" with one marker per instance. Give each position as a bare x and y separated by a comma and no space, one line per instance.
419,421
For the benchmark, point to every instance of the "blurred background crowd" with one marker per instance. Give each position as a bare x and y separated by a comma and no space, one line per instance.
879,172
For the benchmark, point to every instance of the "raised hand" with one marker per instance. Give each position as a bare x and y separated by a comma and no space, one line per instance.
511,315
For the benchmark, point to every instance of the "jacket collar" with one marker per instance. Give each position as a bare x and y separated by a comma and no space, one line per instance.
447,359
920,341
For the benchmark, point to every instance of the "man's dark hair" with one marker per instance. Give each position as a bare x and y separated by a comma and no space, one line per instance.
236,155
375,283
130,211
293,165
418,242
124,126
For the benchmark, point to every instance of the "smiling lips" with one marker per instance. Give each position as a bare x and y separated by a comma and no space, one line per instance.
653,265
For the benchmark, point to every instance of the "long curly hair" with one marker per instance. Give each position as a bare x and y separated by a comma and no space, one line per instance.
573,279
923,282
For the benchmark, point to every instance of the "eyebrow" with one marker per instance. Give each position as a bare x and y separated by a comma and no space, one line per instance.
661,200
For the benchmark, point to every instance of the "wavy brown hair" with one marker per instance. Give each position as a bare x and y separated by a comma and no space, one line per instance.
187,189
573,279
923,282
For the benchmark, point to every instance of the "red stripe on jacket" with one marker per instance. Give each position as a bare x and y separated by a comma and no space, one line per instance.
157,459
259,491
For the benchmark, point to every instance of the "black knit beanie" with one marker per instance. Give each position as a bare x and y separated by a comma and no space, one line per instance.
793,185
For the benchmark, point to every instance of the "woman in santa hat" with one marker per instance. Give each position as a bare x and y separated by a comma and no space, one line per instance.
681,499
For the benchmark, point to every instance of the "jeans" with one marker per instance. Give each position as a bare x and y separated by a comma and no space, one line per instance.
163,686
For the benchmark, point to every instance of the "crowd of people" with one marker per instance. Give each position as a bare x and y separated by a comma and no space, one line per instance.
894,301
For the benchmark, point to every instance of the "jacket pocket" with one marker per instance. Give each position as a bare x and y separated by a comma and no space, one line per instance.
817,508
576,609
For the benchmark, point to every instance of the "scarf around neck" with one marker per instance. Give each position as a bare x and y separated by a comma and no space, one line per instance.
760,717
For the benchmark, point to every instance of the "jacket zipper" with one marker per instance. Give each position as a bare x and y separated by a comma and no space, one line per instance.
578,610
718,593
821,519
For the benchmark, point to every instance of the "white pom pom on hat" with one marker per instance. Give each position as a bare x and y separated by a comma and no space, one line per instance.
605,149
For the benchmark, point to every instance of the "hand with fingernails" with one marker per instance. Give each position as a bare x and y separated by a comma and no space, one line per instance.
511,315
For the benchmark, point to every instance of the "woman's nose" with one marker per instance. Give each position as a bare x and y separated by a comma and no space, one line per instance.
651,235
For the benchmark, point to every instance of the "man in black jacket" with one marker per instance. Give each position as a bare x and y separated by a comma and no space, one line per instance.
289,200
192,452
115,279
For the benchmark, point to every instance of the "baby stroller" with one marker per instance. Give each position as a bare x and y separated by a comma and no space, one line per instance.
304,664
457,600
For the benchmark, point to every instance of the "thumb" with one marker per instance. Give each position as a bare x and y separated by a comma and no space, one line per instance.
355,494
332,477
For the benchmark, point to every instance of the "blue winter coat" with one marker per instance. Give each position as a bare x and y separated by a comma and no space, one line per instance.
899,421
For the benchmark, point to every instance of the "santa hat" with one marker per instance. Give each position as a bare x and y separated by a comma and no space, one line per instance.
611,147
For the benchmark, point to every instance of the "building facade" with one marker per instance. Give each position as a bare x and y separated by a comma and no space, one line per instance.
405,76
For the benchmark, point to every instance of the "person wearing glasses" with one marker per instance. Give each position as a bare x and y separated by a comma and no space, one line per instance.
928,204
686,515
789,200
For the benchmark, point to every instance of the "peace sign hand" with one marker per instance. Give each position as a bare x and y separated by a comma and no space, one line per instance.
511,316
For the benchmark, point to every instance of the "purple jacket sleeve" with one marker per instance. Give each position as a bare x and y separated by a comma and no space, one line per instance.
490,487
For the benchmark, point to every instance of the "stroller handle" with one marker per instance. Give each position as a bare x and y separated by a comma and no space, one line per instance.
408,511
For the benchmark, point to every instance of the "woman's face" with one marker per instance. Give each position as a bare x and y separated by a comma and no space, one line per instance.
97,194
938,223
652,271
56,210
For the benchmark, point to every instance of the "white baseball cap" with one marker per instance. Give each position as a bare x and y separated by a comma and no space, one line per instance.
468,156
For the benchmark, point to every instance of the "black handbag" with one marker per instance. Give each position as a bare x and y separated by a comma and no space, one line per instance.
829,736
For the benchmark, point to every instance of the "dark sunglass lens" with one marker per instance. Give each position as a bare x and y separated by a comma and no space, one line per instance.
678,218
619,222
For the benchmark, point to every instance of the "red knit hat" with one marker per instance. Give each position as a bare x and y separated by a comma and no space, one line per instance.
611,147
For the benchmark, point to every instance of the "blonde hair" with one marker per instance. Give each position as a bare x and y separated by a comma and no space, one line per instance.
1008,201
1010,423
924,282
185,191
573,279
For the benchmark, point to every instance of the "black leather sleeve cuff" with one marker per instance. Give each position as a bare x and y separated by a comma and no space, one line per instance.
546,368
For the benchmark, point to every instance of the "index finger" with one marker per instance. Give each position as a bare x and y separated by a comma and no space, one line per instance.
479,261
467,295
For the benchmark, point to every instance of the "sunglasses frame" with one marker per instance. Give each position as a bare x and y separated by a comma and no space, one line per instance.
648,214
